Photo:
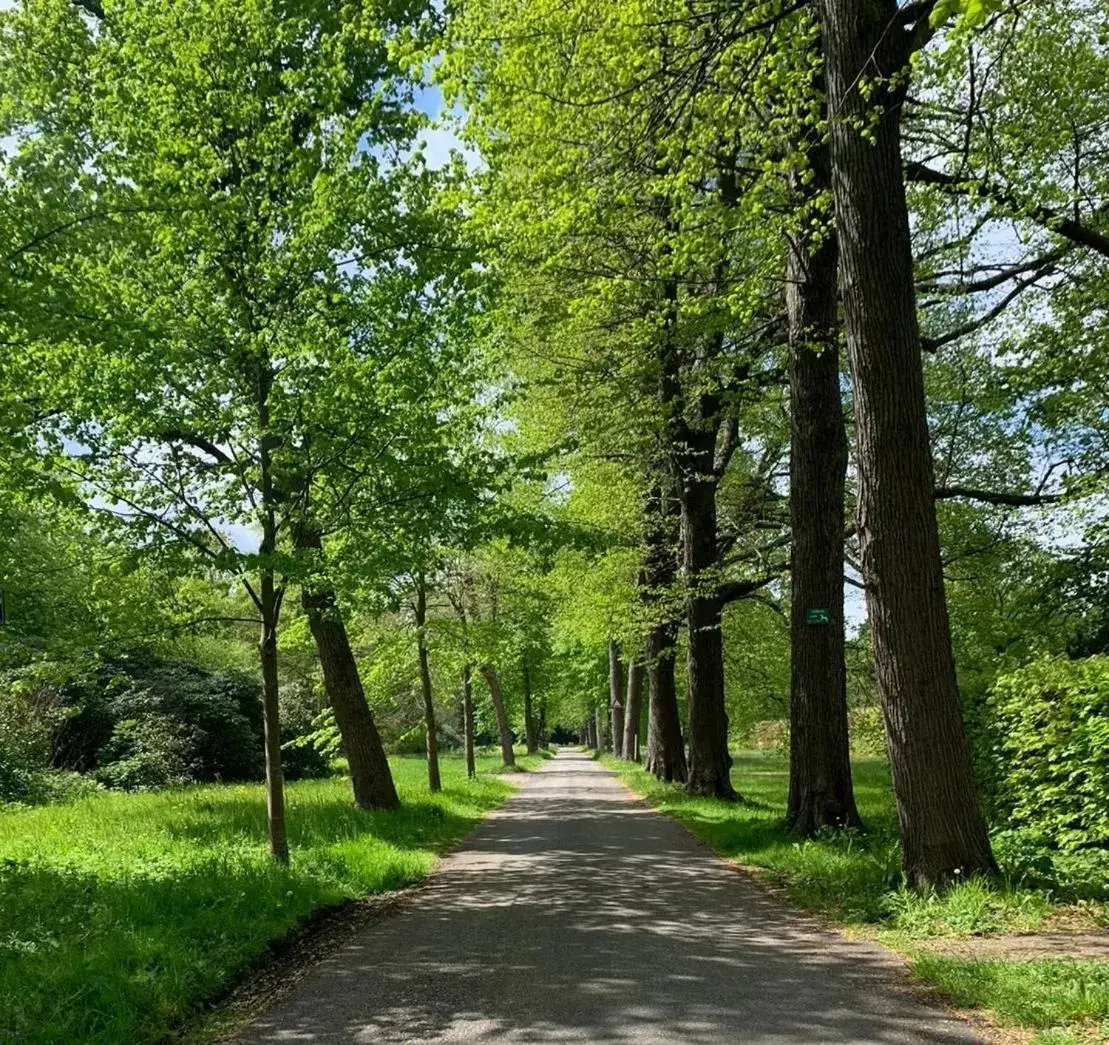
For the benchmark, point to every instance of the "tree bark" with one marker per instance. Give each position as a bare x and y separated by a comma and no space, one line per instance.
530,732
820,790
271,721
616,696
489,673
633,711
430,728
370,777
709,760
599,729
943,834
268,602
665,747
468,721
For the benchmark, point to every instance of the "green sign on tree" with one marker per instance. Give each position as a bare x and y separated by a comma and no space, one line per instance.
817,617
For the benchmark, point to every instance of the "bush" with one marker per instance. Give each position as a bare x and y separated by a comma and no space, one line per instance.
140,709
155,751
308,745
24,744
1051,749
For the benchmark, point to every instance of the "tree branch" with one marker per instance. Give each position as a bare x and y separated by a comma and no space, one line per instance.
1054,221
1012,500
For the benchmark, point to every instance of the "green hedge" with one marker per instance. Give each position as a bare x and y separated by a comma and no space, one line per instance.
1051,747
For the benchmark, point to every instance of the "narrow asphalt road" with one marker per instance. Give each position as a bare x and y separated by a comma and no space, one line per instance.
575,914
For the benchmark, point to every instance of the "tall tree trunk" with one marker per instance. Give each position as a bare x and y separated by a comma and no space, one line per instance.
268,602
468,720
665,748
530,732
430,727
489,673
599,728
370,777
709,760
942,829
633,710
616,696
544,739
820,791
271,721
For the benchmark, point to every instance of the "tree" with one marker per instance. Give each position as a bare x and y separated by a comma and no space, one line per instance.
820,791
616,696
867,49
223,361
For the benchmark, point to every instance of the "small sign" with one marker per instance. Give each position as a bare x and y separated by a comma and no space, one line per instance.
818,617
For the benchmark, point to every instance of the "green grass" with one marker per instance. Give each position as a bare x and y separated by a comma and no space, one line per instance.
855,879
1050,993
119,913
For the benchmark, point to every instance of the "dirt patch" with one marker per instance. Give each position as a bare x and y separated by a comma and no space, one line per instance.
1086,946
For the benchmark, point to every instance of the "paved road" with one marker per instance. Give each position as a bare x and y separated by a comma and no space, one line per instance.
574,914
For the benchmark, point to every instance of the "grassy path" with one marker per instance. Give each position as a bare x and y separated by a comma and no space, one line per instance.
119,913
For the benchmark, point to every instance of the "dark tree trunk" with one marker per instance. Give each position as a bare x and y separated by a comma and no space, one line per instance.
492,680
616,696
430,727
820,791
709,761
271,721
530,731
468,721
370,777
942,829
665,748
633,710
268,601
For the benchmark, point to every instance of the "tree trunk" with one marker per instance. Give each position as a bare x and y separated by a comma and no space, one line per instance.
268,602
665,748
544,740
633,710
489,673
370,777
468,721
430,728
820,791
271,721
599,730
943,834
616,696
530,731
709,760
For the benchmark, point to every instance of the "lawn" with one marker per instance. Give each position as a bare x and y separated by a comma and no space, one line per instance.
854,879
120,913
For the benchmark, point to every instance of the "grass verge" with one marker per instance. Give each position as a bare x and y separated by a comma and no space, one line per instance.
121,913
854,879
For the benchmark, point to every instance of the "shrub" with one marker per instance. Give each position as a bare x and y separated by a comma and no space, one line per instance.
1051,749
24,743
155,751
309,741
